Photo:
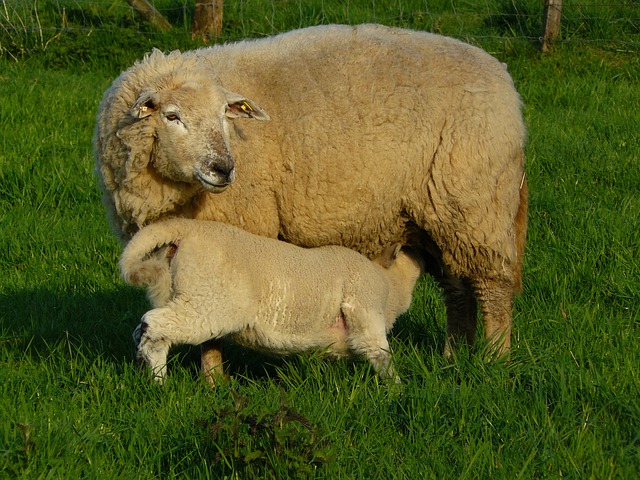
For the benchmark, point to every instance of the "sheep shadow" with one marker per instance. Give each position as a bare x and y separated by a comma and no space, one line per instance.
100,324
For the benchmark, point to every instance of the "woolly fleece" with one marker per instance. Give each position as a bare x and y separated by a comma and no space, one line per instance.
210,280
361,136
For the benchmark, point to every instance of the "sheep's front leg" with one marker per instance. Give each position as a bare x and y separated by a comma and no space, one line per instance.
211,361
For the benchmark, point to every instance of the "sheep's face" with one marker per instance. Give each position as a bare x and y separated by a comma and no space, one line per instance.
190,126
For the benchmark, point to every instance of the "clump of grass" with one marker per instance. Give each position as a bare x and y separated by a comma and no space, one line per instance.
259,440
21,30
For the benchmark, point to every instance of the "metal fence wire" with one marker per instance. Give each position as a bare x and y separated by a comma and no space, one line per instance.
615,24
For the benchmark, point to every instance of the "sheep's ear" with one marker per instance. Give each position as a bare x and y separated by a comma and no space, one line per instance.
146,105
389,255
137,137
240,107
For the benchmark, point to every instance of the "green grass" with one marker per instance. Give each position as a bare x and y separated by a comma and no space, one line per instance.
83,33
74,405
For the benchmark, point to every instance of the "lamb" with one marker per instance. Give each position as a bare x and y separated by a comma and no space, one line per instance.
211,280
361,136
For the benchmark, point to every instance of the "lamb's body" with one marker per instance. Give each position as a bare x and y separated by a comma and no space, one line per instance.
210,280
376,136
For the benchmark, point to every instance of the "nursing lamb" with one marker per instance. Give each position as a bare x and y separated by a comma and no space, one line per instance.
360,136
211,280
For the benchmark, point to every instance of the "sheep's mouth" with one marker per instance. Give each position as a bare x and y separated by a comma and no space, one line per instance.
213,183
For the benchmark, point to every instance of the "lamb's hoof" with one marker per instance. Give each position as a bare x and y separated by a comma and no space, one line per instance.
138,332
395,387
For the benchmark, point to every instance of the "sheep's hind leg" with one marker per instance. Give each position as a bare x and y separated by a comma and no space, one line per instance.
462,314
496,299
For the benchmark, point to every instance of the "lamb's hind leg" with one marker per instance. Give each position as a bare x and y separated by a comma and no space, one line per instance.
151,344
163,327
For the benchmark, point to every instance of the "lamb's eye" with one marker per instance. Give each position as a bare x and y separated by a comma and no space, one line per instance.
172,117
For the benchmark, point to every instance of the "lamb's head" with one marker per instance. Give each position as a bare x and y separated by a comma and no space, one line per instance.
403,267
190,127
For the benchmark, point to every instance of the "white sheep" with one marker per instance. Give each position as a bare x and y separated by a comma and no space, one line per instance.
374,136
211,280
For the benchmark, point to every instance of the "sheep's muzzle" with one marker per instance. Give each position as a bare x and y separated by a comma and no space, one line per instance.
216,176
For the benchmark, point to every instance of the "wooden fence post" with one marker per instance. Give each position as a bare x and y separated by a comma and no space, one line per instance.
150,14
552,15
207,20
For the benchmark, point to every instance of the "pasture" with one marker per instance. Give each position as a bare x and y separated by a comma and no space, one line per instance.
73,404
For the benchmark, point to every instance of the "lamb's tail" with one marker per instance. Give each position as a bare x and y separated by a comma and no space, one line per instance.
521,230
145,260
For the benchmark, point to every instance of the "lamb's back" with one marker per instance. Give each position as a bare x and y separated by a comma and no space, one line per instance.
294,292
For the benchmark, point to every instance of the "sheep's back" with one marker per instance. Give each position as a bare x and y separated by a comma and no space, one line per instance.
365,121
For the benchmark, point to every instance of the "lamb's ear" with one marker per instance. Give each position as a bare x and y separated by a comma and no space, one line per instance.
241,107
145,106
389,255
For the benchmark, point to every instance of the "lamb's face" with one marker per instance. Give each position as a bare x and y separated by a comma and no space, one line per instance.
404,266
190,126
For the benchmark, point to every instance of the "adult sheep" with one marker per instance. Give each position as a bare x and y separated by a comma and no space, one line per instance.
375,136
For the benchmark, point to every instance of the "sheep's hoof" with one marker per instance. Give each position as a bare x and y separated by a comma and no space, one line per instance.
215,377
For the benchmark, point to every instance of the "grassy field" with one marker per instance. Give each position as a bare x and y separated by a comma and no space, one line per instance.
73,404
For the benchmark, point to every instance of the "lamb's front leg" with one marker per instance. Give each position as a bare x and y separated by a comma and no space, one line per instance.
368,337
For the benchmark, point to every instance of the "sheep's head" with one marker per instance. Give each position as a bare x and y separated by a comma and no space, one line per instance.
189,125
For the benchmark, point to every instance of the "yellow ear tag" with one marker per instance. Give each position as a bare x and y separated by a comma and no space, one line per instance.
246,107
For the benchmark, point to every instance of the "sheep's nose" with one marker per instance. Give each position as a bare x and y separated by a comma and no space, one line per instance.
216,173
219,164
223,169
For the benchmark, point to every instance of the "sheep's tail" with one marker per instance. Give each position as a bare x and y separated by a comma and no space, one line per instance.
521,230
145,260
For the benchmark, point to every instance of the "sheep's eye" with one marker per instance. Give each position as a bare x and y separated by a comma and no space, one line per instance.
172,117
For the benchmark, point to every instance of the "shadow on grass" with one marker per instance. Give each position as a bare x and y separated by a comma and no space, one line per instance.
100,325
101,322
